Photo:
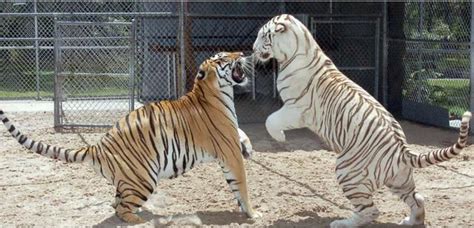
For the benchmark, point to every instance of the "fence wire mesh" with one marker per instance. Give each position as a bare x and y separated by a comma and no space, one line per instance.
353,45
436,60
173,38
94,72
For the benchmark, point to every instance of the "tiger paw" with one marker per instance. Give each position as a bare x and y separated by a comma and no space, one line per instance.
406,221
341,223
254,214
127,215
131,218
274,128
410,222
278,135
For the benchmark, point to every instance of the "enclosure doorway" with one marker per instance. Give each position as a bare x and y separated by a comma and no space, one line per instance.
94,72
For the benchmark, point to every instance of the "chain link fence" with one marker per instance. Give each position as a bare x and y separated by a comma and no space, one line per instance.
94,72
357,38
173,38
436,82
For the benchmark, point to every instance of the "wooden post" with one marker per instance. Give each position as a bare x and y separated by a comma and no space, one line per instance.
190,62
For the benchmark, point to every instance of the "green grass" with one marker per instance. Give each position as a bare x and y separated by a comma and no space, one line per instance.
452,94
97,87
451,84
102,92
26,94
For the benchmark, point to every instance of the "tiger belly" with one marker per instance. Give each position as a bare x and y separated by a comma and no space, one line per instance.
151,167
177,162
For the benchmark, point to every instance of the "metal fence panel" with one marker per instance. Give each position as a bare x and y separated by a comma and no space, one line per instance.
172,38
353,45
436,81
93,72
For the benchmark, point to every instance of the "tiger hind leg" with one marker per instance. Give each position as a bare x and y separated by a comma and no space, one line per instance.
404,187
128,204
365,210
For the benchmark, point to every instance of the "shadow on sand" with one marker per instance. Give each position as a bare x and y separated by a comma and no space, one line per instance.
314,220
304,185
198,219
299,139
304,139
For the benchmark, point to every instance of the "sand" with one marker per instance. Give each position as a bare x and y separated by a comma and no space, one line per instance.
293,184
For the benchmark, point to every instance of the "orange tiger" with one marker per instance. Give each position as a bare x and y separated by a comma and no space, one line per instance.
165,139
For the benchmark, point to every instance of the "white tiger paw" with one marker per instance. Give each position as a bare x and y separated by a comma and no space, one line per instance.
274,128
410,222
281,137
341,223
254,214
278,135
406,221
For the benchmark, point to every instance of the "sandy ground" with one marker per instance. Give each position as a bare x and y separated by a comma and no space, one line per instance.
292,184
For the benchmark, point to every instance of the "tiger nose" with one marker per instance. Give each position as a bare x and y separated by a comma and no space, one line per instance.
265,55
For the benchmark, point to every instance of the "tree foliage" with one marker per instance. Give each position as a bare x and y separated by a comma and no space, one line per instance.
448,21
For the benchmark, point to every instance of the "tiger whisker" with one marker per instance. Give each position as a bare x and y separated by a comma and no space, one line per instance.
248,65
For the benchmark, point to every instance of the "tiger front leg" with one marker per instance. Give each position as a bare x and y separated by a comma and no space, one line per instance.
247,148
236,178
286,118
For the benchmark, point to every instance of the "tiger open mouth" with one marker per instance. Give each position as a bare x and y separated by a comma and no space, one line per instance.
238,73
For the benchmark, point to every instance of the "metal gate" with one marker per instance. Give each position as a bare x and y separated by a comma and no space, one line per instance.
94,72
353,45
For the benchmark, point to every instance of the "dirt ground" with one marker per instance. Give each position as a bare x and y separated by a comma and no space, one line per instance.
292,184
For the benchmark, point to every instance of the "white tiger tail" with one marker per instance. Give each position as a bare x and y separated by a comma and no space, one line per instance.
433,157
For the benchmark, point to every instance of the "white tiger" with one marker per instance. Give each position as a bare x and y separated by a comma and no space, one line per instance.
371,146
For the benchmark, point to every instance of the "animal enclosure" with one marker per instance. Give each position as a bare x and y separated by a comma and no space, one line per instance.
96,61
413,57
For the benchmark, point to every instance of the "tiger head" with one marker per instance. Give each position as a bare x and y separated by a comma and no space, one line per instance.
279,39
220,73
224,70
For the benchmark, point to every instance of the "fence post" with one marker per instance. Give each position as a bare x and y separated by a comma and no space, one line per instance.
56,96
131,63
384,54
35,3
182,52
471,46
377,60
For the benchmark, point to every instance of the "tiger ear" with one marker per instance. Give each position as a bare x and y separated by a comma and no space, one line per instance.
201,74
280,27
202,70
